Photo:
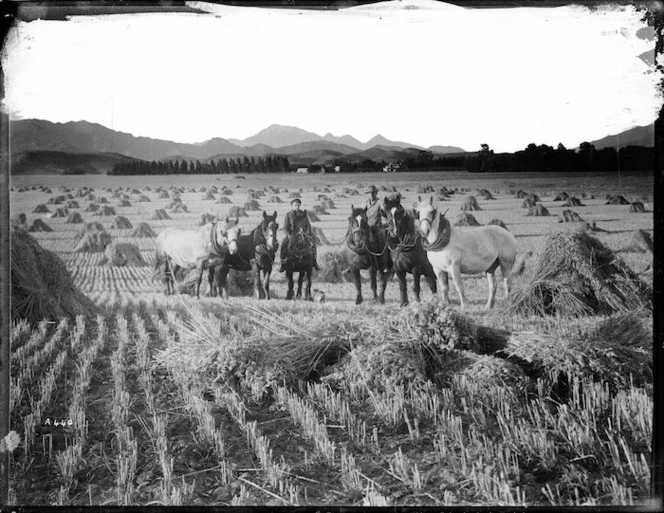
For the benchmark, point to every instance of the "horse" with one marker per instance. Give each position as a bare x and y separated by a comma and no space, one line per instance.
406,251
365,254
178,248
300,258
255,252
473,250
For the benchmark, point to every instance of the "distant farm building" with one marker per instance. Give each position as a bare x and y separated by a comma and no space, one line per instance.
390,168
303,170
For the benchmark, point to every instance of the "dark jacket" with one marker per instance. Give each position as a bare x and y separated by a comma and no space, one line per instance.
290,220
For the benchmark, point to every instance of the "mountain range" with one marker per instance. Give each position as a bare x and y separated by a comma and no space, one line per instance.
39,146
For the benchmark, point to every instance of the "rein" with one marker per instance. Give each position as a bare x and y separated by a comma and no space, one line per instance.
442,237
293,248
218,249
405,243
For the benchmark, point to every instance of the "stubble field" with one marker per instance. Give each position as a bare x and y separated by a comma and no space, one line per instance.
175,400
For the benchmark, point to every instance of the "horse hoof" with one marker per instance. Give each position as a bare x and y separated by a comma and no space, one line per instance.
358,300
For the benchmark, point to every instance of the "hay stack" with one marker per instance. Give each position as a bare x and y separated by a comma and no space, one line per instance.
533,197
208,197
92,207
39,225
174,203
294,195
105,211
55,201
486,194
41,209
334,266
179,208
90,197
538,210
274,199
574,275
160,214
206,218
521,194
641,242
562,196
498,222
102,200
143,231
569,216
93,242
164,194
124,203
313,217
41,286
319,209
520,263
222,200
20,221
226,192
424,188
143,199
319,237
617,200
74,218
252,205
90,228
72,204
350,191
573,202
466,219
122,255
528,203
60,212
637,206
470,203
328,204
121,223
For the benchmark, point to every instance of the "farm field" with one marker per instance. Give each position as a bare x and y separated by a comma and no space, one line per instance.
174,400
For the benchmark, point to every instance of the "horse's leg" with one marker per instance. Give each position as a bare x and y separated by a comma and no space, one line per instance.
416,282
384,276
200,269
289,275
211,282
506,271
257,279
458,284
358,285
431,280
491,278
373,269
443,286
307,294
222,282
300,280
403,288
266,283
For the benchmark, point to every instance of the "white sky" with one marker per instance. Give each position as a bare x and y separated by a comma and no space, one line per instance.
414,70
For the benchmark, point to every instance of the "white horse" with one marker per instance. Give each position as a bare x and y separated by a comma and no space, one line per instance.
469,251
181,248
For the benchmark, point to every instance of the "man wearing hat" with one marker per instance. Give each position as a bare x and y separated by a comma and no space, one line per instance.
289,226
373,206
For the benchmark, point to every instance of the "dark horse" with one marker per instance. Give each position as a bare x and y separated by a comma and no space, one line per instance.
255,252
300,258
405,243
366,254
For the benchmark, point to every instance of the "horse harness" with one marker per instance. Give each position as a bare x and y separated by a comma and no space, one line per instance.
216,247
442,236
404,243
362,247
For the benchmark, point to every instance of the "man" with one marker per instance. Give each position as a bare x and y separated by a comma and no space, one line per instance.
374,220
289,226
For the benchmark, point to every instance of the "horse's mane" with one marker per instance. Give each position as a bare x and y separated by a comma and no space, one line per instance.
443,231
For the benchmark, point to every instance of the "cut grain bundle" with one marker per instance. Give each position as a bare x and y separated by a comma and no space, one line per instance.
313,217
90,228
574,275
39,226
274,199
80,193
20,221
41,209
41,286
179,208
133,190
528,203
93,242
236,211
424,188
122,254
143,199
319,237
466,219
202,188
534,197
637,206
90,197
470,203
174,202
253,195
334,266
105,211
223,200
208,197
124,203
617,200
74,218
521,194
520,263
206,218
350,191
72,204
102,200
252,205
143,231
641,242
121,223
60,212
328,204
294,195
160,214
618,351
569,216
573,202
164,194
319,209
92,207
56,201
538,210
498,222
226,192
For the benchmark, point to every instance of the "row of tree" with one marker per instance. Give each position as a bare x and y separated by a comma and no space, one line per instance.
240,165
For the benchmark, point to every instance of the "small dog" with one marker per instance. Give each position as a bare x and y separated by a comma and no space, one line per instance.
319,296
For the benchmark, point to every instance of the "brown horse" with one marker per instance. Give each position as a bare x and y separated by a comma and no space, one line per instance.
255,252
300,258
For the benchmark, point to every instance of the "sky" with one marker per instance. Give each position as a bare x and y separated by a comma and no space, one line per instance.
419,71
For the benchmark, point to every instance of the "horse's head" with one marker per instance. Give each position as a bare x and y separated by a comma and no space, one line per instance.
357,224
270,227
426,213
231,232
394,213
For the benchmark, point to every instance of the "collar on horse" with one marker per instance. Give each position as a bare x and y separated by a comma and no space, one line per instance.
405,242
358,247
442,228
216,247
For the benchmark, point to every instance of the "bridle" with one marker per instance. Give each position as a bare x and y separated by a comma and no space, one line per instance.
214,240
300,243
405,242
442,236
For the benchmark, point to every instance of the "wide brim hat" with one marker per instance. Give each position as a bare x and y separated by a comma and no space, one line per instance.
296,200
372,189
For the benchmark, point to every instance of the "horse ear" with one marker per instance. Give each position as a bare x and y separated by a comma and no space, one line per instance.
264,214
352,208
419,198
275,215
431,200
228,219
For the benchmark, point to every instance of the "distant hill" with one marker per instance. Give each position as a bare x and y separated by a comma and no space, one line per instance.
638,136
444,150
278,136
60,162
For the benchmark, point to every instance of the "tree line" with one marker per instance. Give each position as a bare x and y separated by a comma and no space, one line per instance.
239,165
